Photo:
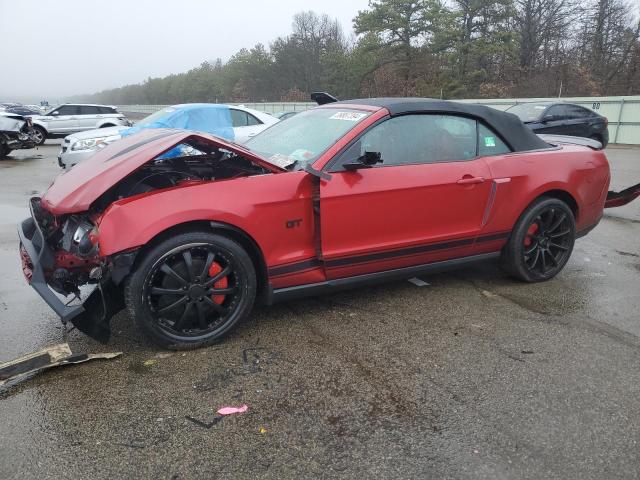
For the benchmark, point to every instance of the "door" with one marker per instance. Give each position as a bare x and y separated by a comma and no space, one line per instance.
63,120
88,118
558,120
584,123
424,203
245,125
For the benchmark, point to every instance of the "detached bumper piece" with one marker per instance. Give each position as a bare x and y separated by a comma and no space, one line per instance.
93,315
54,356
618,199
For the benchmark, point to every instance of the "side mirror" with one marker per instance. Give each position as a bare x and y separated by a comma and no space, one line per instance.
549,118
56,113
367,160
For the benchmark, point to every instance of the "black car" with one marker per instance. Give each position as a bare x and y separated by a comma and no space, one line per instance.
563,119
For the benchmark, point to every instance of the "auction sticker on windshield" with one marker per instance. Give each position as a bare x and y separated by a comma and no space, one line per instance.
349,116
282,161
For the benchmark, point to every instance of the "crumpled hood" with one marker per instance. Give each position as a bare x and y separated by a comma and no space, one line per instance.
75,190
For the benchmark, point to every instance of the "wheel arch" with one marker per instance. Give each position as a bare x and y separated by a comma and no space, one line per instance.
226,229
39,125
563,195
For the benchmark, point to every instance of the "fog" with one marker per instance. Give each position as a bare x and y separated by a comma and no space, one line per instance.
50,50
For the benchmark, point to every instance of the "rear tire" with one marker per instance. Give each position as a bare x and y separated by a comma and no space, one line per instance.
191,290
541,242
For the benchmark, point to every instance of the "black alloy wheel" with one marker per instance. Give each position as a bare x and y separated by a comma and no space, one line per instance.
193,293
541,242
548,241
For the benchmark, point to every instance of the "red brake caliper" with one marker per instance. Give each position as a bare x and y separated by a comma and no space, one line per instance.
532,230
222,283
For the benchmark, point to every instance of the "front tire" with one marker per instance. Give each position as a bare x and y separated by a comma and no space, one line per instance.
191,290
541,242
40,135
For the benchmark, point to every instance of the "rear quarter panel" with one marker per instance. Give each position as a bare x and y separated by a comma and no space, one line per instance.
522,177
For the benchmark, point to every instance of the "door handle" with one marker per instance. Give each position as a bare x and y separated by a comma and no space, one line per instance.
469,180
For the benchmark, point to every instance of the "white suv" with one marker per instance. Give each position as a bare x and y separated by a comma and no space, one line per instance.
72,118
204,117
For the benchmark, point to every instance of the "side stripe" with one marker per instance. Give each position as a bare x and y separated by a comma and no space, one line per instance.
340,262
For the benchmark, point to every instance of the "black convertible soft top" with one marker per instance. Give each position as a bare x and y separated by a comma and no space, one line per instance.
507,125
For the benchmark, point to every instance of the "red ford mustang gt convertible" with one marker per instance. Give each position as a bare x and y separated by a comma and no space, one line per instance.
187,230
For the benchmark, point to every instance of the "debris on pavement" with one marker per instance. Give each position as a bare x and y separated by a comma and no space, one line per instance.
418,282
148,363
232,410
202,424
54,356
262,430
489,294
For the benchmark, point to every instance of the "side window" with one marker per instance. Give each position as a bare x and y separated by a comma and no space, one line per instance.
251,120
579,112
559,112
239,118
87,110
489,143
416,139
106,110
68,110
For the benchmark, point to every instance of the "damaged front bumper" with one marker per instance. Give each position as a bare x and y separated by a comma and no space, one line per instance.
92,316
37,256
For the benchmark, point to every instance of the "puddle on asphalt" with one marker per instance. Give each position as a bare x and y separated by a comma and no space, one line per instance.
11,215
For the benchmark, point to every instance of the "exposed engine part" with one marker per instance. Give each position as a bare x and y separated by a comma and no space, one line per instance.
62,281
198,163
77,237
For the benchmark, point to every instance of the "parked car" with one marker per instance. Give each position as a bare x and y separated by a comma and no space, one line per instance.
23,110
561,118
233,123
16,132
4,106
284,115
346,194
72,118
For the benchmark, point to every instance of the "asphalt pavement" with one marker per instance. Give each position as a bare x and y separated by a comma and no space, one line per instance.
474,375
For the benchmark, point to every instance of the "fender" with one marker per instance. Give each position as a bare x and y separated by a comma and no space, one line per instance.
41,124
264,214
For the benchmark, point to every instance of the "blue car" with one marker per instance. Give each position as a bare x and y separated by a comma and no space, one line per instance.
235,123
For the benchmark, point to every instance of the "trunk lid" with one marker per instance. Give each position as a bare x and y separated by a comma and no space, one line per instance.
75,190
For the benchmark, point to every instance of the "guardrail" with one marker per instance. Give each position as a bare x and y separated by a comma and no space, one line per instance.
623,112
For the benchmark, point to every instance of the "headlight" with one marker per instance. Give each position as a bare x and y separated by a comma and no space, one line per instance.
90,143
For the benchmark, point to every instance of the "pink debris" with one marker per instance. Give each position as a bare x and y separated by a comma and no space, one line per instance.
232,410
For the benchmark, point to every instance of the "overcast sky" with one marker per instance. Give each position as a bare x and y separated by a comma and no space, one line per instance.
51,49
